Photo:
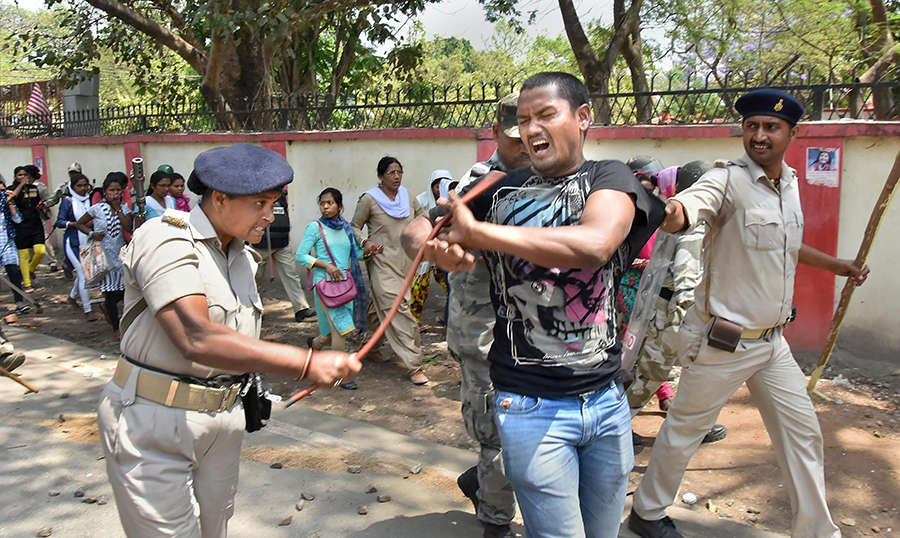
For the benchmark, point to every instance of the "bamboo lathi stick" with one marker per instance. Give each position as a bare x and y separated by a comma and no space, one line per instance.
17,379
884,200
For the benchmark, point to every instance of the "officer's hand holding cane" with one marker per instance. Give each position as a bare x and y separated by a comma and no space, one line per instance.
329,368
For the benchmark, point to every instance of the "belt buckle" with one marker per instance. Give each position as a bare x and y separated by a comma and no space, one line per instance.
226,393
207,391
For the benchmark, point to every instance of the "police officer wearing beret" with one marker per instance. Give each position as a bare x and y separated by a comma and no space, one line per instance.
171,420
733,334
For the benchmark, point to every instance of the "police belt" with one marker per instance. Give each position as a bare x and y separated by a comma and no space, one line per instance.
181,391
746,334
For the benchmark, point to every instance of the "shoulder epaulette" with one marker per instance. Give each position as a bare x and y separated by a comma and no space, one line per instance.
174,221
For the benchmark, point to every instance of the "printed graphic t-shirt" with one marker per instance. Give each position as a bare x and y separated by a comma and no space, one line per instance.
555,334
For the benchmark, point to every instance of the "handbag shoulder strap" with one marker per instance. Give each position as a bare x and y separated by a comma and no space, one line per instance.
322,233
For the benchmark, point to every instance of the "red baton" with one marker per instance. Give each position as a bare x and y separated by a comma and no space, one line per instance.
489,180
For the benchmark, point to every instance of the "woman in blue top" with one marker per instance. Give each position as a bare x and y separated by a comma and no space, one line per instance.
70,210
158,199
9,256
337,323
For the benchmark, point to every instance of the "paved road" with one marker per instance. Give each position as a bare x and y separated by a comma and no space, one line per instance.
37,458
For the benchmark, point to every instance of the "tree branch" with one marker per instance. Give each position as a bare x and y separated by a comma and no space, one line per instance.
588,62
873,73
180,24
195,57
348,54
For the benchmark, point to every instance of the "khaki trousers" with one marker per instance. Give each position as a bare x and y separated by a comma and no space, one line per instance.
402,335
778,389
173,472
288,273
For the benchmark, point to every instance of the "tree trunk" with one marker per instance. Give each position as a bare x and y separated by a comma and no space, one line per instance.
882,52
635,59
595,73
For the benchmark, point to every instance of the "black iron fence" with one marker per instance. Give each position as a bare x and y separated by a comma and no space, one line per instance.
669,100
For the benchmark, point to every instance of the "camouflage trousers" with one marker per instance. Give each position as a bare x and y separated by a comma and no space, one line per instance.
496,503
656,358
470,327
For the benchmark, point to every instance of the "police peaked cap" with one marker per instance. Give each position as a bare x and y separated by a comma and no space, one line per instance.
242,169
770,102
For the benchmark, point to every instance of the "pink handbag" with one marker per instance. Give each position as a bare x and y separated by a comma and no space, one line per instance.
335,293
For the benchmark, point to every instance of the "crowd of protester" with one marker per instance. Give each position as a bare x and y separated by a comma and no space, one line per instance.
85,213
331,248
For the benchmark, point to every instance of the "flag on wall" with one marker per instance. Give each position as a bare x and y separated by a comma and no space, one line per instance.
37,105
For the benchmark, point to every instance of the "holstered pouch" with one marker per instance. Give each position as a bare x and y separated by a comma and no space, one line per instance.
257,407
724,334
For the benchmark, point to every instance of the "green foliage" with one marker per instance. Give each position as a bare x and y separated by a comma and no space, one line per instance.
753,39
14,66
61,43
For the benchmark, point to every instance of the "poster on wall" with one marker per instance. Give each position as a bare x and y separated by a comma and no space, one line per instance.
823,166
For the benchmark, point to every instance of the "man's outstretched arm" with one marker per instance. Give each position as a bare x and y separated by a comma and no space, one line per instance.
605,224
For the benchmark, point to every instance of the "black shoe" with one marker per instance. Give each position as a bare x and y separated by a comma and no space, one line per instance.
716,433
497,531
301,315
468,484
54,268
661,528
68,273
636,440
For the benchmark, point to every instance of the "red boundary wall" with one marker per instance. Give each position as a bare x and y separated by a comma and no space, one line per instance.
813,291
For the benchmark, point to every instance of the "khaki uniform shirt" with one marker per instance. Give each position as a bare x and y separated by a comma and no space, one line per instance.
166,261
752,242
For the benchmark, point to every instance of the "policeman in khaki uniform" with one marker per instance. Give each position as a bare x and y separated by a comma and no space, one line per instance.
733,334
171,416
470,333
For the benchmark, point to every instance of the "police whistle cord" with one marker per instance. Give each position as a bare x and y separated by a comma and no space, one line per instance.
881,205
488,181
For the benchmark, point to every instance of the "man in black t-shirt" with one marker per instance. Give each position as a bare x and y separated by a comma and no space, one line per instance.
557,238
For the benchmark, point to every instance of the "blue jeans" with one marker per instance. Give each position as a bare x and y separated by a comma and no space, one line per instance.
568,460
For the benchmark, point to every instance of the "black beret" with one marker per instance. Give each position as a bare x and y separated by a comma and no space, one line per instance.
770,102
242,169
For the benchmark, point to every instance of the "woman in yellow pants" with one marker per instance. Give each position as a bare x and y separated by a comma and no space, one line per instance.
29,232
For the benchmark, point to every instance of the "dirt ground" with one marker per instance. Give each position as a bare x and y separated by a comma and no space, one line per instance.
733,478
